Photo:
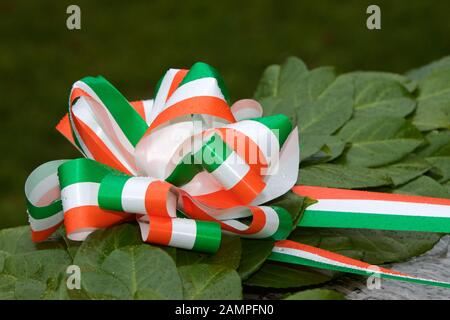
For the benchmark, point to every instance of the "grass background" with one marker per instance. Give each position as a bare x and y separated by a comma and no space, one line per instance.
133,43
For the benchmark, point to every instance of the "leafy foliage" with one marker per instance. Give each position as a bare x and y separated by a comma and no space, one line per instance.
361,130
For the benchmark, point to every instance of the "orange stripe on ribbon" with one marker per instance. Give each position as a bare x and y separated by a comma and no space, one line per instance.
332,193
99,150
204,105
39,236
139,108
85,217
160,230
156,198
179,76
245,147
76,93
257,224
332,256
64,128
194,212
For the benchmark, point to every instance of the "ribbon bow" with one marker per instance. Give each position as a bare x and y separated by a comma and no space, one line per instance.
184,165
188,167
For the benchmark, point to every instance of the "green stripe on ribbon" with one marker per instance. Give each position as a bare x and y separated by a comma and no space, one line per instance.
184,171
279,124
202,70
82,170
129,121
44,212
280,257
214,152
208,236
110,192
285,224
360,220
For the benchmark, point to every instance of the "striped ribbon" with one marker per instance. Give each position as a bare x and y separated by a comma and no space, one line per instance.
186,166
340,208
133,169
301,254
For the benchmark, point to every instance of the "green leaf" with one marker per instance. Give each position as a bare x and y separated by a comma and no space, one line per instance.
115,264
433,109
273,275
378,141
323,109
404,171
34,275
447,185
229,254
380,94
29,270
101,243
3,256
437,152
316,294
311,144
423,72
372,246
18,240
339,176
210,282
7,287
317,100
424,186
332,148
134,272
254,253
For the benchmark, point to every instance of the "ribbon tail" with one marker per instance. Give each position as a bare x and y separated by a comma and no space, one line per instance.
339,208
296,253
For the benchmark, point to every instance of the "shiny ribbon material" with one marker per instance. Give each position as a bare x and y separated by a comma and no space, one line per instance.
186,166
135,167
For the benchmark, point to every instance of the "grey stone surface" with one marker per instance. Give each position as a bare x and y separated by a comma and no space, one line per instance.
434,264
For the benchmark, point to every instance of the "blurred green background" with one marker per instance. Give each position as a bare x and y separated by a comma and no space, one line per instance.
133,43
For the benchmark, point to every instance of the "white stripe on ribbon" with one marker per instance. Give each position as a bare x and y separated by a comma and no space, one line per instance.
148,105
44,186
79,195
161,96
133,194
231,171
83,111
116,128
84,149
197,88
184,233
284,175
46,223
382,207
261,135
157,154
318,258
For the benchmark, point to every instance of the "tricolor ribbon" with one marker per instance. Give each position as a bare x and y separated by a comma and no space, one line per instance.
186,166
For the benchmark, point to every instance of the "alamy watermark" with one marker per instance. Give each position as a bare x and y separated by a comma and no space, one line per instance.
374,20
73,281
73,21
374,281
259,146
